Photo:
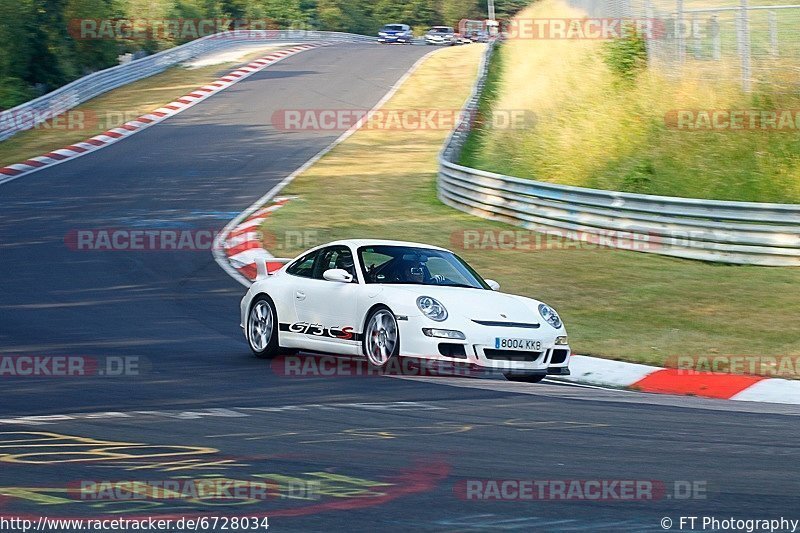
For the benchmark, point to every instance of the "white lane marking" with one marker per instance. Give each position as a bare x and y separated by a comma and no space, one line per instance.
223,412
599,394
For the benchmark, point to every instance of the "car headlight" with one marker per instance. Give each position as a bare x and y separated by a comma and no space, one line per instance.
381,34
432,308
549,315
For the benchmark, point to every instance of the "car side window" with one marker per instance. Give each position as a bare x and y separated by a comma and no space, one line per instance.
335,257
303,267
372,262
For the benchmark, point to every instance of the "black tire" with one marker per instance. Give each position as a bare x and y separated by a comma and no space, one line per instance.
525,378
388,353
263,346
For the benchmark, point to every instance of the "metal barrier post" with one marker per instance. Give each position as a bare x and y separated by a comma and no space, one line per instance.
743,39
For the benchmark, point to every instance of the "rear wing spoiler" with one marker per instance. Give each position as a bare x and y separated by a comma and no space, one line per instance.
267,267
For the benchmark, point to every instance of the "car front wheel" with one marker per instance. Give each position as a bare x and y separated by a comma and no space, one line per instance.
381,337
262,328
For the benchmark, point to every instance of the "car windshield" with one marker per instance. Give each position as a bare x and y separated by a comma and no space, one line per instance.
393,27
441,29
408,265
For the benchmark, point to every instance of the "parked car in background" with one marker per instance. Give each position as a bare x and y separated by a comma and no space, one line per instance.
441,35
478,36
395,33
463,39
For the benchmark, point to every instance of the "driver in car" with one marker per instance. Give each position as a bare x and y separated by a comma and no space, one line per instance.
345,262
418,273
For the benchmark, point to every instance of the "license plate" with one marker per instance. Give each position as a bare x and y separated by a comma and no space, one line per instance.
526,345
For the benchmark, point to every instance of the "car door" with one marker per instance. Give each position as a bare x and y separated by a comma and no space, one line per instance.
326,310
299,273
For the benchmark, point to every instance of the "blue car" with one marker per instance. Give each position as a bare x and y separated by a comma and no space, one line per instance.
395,33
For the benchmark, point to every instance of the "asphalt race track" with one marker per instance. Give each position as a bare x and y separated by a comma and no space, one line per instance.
355,454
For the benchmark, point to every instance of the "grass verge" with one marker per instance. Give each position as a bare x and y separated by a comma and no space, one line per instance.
113,109
620,305
595,129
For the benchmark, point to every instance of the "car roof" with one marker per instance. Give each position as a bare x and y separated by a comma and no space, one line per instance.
357,243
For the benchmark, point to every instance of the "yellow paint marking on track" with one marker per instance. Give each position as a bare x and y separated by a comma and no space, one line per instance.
186,464
46,436
29,451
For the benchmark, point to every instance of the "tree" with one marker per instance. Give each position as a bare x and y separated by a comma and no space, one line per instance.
90,54
330,15
453,11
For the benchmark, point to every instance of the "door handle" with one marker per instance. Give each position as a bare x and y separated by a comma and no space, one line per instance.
300,295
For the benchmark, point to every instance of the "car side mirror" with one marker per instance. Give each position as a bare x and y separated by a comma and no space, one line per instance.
493,284
337,274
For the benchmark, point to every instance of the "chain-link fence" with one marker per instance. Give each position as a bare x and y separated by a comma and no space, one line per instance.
717,40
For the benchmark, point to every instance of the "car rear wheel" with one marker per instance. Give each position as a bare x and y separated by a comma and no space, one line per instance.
262,328
381,337
525,378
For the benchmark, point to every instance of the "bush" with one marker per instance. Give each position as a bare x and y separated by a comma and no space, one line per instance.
14,91
627,55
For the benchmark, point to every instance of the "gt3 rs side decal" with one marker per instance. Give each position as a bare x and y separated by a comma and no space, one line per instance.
318,330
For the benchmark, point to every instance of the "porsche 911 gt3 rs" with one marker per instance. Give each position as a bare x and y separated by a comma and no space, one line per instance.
387,299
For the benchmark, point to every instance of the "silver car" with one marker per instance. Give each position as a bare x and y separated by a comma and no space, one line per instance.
441,35
396,33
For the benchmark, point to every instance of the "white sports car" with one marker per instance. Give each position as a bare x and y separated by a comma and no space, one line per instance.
387,299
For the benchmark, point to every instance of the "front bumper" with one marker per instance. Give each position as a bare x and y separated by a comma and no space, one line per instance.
479,347
389,39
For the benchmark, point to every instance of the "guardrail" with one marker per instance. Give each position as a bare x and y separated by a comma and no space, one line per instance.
708,230
50,105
